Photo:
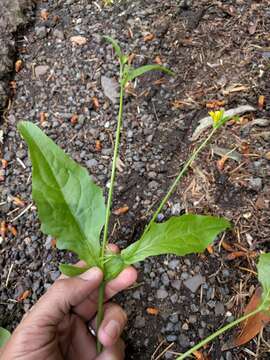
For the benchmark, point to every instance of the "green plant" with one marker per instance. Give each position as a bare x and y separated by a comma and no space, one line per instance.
72,209
264,278
4,336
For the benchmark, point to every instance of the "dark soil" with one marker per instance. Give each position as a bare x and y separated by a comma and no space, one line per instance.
219,50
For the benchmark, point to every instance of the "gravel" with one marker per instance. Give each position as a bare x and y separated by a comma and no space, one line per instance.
184,291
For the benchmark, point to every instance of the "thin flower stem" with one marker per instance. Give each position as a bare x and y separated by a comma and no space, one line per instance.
182,172
217,333
101,290
110,195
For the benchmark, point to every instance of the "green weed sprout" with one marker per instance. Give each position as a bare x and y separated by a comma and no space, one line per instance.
72,209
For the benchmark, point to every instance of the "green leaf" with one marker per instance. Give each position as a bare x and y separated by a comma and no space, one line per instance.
4,336
264,278
114,264
115,46
71,270
179,235
70,206
134,73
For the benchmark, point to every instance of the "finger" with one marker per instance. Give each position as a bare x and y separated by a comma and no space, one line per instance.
87,309
115,352
114,248
63,296
112,325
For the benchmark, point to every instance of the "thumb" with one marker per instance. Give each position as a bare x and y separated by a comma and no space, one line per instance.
62,296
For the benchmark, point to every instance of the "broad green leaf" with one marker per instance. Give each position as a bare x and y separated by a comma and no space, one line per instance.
70,206
179,235
264,278
71,270
4,336
115,46
134,73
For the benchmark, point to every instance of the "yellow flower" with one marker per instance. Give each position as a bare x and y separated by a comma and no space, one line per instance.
216,116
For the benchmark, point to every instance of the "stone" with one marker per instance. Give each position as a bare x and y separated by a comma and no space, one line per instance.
162,294
139,322
91,163
41,70
184,341
59,34
194,282
219,309
110,87
176,284
41,32
256,184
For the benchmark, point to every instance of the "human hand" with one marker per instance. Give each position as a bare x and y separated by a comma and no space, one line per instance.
56,326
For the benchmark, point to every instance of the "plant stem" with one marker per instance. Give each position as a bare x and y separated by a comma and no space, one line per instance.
176,181
217,333
101,290
110,195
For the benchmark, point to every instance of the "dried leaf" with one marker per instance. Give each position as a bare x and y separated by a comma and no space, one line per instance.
74,119
3,229
261,102
158,60
227,246
13,86
221,162
42,117
130,33
253,27
121,210
238,254
53,243
148,37
131,57
252,326
44,14
267,155
24,295
13,230
261,203
78,40
152,311
18,66
17,201
210,249
215,104
200,356
4,163
95,103
98,145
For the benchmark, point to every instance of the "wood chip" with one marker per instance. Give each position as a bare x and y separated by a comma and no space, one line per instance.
121,211
152,311
148,37
95,103
261,102
18,66
74,119
44,14
24,295
98,145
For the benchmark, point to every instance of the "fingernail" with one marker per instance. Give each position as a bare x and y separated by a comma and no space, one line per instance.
112,329
91,274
